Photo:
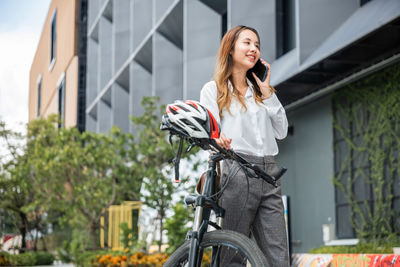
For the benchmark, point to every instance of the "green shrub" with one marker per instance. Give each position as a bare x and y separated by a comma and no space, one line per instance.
51,241
4,259
70,249
361,248
127,236
83,259
44,258
64,252
26,259
330,250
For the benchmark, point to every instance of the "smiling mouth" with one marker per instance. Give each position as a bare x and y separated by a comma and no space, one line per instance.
252,58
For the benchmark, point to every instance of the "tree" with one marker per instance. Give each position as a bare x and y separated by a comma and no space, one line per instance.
155,153
177,227
81,174
17,198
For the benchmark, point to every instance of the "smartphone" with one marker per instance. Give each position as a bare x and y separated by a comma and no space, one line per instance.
260,70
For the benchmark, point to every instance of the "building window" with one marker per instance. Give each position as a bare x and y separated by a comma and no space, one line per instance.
285,26
61,101
53,37
39,91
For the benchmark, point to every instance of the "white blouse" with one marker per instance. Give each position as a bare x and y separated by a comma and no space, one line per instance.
253,131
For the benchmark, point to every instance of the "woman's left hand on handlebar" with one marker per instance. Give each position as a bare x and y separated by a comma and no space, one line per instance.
224,142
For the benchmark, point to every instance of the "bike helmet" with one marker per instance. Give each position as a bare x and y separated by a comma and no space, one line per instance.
191,119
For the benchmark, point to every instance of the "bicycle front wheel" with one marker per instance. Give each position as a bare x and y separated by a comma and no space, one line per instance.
221,248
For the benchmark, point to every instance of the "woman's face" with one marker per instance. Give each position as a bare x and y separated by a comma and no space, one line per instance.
246,50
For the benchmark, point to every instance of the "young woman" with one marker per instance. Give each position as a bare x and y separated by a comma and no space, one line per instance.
251,118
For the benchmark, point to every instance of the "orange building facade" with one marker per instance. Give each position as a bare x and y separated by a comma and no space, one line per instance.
58,65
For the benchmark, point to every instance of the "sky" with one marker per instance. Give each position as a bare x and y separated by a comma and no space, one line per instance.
21,23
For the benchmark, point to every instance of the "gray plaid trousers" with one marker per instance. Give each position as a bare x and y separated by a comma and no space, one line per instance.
254,206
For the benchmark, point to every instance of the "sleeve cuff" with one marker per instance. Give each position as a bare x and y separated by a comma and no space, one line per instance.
272,100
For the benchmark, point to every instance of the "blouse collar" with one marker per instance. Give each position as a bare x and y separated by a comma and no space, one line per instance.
249,93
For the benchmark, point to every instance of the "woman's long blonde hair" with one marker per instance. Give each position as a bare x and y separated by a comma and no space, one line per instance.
223,70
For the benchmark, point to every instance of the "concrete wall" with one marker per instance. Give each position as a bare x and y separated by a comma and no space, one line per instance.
308,155
132,42
317,19
262,18
199,58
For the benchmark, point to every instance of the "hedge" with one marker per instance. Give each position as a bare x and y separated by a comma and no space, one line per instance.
361,248
26,259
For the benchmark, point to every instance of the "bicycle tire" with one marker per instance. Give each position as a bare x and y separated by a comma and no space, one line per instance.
225,238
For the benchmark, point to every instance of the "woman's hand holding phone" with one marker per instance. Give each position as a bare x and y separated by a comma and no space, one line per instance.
265,87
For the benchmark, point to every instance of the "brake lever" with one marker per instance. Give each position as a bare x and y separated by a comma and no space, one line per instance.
189,148
170,139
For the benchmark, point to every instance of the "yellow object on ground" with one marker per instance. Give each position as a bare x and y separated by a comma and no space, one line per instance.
117,214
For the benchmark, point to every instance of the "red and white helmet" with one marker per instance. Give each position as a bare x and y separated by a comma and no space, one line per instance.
191,118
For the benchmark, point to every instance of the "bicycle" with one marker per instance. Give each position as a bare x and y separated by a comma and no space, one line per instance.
201,243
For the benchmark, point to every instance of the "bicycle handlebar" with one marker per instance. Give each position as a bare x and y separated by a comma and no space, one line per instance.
230,154
207,144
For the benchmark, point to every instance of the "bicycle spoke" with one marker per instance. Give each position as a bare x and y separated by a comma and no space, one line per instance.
215,255
229,253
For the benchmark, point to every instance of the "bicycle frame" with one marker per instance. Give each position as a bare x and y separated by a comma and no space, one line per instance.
204,204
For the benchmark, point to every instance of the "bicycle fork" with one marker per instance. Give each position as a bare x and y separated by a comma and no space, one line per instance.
202,213
200,225
194,237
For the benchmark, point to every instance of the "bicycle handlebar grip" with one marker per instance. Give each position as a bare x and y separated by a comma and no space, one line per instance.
176,164
280,173
272,179
177,159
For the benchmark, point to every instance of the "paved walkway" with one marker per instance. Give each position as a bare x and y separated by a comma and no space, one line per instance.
58,264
